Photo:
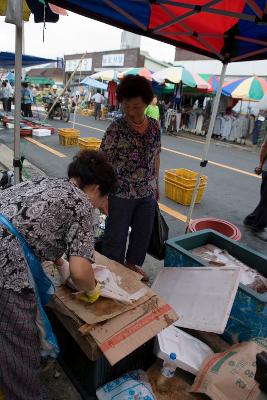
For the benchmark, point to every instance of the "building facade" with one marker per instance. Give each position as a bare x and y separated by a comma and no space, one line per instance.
185,55
119,60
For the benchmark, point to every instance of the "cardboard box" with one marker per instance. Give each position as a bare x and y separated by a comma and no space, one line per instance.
121,335
119,329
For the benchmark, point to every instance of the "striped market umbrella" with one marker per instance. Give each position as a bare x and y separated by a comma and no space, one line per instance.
137,71
213,80
251,89
180,74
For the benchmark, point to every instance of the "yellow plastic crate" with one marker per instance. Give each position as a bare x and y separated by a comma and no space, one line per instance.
181,194
184,177
68,136
89,143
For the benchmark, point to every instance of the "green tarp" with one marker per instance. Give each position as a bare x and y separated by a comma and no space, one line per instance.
39,80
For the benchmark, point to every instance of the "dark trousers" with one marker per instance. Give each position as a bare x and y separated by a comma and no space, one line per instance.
19,347
9,101
5,104
124,213
257,220
97,110
27,110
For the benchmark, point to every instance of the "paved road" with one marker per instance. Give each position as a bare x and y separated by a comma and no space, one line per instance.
232,192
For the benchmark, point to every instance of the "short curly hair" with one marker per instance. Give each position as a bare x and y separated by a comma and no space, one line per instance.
135,86
92,167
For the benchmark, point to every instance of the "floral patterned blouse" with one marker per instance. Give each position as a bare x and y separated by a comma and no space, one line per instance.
54,216
132,156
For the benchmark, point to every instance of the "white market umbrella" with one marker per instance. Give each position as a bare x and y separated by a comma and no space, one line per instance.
107,75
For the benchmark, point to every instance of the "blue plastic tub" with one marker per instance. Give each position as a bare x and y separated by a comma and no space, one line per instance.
248,317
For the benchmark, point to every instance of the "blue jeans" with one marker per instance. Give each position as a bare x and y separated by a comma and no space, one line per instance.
97,110
124,213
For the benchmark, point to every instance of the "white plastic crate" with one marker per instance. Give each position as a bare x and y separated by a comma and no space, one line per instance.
41,132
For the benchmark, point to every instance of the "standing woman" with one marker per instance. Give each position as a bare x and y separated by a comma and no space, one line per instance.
132,145
54,216
26,100
5,96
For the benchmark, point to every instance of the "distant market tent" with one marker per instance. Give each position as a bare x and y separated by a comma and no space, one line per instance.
94,83
39,81
10,77
7,60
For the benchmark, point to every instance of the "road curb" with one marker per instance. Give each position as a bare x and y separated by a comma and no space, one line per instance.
6,161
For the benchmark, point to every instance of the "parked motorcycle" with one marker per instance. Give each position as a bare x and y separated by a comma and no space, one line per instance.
60,109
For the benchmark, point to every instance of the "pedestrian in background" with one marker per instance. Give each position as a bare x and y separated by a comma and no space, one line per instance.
132,145
152,109
98,99
10,95
26,100
34,93
5,96
257,220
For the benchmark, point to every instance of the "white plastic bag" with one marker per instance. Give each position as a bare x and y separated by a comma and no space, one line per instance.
131,386
190,352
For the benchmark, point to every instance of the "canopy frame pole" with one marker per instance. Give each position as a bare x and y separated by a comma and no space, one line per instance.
18,70
76,105
204,160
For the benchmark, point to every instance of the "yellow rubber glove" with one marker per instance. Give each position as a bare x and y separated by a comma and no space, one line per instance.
91,296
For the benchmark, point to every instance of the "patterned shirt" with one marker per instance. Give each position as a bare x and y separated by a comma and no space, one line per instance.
54,216
132,156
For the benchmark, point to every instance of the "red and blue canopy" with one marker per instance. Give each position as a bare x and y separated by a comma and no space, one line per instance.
228,30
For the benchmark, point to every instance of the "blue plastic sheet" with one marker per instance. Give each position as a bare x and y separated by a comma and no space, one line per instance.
43,288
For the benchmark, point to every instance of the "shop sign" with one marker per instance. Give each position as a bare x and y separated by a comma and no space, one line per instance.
113,60
71,65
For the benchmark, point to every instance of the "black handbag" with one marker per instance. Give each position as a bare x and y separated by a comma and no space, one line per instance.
159,235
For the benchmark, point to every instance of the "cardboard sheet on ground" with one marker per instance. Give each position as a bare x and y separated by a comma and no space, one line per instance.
202,297
104,308
123,334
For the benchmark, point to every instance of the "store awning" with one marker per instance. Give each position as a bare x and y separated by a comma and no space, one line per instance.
39,81
7,60
228,30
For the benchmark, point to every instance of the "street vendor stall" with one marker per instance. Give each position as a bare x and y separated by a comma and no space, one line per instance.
231,32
